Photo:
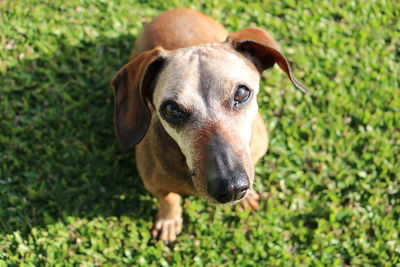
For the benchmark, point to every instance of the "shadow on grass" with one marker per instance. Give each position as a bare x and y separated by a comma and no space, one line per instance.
59,155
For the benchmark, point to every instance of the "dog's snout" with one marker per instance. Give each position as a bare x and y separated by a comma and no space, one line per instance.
227,179
226,190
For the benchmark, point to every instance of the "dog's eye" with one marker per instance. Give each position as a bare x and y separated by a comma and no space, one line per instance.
172,113
242,94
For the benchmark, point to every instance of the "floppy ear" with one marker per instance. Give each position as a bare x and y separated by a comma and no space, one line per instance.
258,46
133,89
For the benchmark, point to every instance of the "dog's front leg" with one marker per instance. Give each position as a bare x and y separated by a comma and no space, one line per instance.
168,223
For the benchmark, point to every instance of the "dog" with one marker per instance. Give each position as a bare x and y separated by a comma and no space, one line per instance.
187,101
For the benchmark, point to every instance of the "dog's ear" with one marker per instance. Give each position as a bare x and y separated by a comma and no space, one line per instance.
258,46
133,90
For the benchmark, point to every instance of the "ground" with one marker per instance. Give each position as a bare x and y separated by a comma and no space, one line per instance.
69,195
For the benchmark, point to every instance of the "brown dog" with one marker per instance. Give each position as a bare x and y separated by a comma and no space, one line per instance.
188,101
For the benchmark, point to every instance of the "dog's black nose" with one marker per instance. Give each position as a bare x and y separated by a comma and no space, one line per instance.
228,190
227,179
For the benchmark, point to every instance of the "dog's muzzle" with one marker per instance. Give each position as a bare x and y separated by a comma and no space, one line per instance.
226,176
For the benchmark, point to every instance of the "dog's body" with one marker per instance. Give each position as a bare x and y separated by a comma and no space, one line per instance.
192,111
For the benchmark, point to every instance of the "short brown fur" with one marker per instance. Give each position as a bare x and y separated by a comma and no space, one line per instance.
163,162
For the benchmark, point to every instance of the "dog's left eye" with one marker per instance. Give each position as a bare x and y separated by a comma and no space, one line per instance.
242,94
172,113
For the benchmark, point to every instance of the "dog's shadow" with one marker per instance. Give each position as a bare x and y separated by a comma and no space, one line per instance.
60,156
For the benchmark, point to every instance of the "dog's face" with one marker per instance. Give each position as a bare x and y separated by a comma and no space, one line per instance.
205,98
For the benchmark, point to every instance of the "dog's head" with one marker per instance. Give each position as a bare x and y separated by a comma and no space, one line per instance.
205,98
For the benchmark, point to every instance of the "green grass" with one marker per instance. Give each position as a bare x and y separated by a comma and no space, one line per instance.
69,196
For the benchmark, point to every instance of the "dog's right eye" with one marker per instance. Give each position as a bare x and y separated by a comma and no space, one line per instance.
242,94
172,113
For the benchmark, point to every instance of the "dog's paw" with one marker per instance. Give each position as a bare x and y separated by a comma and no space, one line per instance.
251,201
167,229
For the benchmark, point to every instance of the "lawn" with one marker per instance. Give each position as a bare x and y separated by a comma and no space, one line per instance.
70,196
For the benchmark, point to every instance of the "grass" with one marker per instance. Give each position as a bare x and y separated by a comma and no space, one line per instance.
69,196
